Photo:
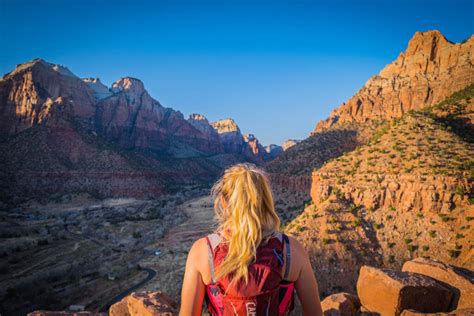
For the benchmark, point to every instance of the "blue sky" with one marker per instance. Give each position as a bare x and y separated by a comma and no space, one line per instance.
276,67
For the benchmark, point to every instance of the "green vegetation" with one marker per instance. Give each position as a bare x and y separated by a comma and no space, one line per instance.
412,248
454,253
377,225
391,258
356,222
463,94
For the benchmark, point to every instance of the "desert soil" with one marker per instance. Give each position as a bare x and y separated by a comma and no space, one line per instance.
175,245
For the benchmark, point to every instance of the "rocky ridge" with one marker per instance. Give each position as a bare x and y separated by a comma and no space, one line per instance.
428,71
407,192
60,133
236,143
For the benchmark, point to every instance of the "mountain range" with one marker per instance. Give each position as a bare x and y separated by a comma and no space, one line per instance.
63,134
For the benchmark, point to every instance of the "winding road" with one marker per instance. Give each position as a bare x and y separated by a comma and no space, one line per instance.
119,297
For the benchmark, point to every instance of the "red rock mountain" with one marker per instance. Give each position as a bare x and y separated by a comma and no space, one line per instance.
428,71
133,119
392,169
60,133
36,91
234,142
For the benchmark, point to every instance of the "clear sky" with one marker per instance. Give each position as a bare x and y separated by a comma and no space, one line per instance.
276,67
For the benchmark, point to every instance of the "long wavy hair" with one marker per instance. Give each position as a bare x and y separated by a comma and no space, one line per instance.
243,202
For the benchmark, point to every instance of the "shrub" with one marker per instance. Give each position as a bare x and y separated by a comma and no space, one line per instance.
454,253
444,217
412,248
426,248
408,241
356,222
377,226
432,233
352,207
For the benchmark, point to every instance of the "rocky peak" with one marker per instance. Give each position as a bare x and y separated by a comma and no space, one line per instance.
198,117
272,147
201,123
227,125
100,90
272,151
129,85
36,91
41,64
289,143
249,137
429,70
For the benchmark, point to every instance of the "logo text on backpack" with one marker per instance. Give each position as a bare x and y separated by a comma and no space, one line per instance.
251,309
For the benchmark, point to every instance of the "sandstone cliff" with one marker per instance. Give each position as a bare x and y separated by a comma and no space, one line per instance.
429,70
272,151
234,142
290,143
407,192
36,91
62,134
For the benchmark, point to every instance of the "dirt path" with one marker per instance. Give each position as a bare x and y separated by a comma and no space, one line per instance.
176,244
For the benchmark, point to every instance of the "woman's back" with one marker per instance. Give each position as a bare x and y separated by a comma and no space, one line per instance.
265,291
250,260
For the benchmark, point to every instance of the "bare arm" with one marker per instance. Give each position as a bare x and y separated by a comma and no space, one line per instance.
192,293
306,285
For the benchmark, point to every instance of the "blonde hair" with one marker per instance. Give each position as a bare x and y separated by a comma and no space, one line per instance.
243,202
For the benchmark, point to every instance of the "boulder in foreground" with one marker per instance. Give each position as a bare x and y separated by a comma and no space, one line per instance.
340,304
389,292
462,280
145,304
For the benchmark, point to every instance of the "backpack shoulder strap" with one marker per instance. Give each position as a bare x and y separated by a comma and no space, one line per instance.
211,260
286,241
278,235
212,241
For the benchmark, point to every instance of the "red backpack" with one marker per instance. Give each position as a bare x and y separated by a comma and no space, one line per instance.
267,292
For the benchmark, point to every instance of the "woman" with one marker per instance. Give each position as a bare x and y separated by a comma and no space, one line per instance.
247,267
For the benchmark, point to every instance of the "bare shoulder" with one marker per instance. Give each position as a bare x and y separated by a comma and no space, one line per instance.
198,247
297,248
